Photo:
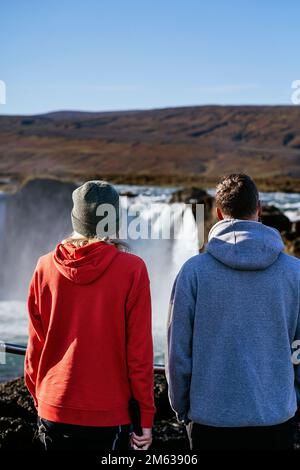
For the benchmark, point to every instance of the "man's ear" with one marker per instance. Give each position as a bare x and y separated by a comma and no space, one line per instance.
259,210
219,214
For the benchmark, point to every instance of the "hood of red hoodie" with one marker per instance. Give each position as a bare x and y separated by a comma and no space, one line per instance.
85,264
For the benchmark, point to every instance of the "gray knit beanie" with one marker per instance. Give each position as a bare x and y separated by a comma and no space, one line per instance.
96,209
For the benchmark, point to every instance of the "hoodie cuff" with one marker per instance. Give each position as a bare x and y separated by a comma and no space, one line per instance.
183,418
147,419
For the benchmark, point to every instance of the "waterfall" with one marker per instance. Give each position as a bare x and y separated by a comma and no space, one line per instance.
2,216
163,257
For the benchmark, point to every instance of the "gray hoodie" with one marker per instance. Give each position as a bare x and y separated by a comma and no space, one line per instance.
233,318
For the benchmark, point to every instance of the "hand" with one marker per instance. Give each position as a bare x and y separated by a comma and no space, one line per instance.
142,442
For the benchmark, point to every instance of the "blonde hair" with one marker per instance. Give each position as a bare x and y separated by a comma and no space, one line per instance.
79,241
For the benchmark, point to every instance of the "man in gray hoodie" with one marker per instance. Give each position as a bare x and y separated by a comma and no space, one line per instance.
234,318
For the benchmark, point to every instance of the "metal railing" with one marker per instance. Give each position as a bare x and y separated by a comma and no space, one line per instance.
13,348
21,350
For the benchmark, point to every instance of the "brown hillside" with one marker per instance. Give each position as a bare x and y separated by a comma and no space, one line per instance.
184,144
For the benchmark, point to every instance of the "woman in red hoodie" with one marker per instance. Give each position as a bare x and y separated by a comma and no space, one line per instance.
90,343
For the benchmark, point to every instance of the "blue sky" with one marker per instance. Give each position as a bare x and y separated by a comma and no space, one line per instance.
109,55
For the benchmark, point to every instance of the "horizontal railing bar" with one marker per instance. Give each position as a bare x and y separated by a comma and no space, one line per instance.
13,348
21,350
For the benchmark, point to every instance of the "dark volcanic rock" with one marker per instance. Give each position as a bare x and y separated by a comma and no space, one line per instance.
273,217
128,193
292,245
18,419
290,231
168,434
296,227
194,196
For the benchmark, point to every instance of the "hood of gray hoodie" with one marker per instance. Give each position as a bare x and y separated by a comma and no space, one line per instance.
244,244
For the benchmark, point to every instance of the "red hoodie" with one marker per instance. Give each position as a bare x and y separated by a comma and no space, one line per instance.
90,342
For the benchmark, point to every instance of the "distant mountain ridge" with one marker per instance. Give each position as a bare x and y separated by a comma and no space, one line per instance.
189,142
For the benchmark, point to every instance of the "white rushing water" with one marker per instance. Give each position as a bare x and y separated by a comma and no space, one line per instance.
164,258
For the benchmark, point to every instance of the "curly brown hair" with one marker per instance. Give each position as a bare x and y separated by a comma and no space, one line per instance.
237,196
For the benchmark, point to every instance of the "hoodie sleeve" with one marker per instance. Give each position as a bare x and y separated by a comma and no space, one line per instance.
140,347
180,336
35,339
